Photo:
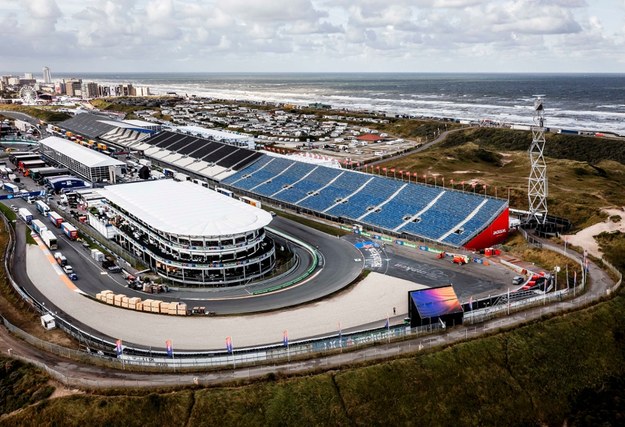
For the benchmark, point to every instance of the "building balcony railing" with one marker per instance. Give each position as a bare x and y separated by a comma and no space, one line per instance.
194,250
267,253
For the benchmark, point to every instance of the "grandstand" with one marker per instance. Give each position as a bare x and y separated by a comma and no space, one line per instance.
128,132
90,125
416,211
201,156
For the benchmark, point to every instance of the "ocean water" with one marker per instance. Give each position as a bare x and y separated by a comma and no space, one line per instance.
572,101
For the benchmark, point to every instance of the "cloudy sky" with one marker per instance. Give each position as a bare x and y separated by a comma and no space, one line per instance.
313,35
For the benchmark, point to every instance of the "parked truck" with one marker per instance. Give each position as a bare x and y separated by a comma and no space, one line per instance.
42,207
70,231
55,218
38,226
49,239
60,259
11,188
25,215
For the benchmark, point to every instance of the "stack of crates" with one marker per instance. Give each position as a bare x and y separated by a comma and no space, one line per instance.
132,302
155,306
182,309
117,299
125,302
101,296
173,308
147,305
110,298
164,308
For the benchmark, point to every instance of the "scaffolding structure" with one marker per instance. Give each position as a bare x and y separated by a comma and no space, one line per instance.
537,182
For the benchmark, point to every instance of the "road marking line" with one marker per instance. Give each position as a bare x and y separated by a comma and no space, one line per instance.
66,280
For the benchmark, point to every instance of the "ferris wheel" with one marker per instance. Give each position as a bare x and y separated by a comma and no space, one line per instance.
28,95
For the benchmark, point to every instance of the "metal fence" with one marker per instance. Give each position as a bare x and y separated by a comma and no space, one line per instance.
101,352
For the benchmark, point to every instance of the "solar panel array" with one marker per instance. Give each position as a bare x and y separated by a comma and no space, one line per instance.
203,149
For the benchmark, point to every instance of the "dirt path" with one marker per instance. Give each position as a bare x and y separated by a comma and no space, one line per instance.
586,237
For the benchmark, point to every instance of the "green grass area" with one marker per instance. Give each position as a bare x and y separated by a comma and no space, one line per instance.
21,384
325,228
528,376
418,130
45,113
8,212
29,238
115,104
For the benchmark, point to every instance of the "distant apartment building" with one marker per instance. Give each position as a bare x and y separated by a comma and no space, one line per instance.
142,91
124,90
90,90
59,88
73,87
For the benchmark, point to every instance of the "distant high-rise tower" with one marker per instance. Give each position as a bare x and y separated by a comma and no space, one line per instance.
47,78
537,185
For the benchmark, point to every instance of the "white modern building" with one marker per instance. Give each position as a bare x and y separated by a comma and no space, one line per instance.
83,162
189,234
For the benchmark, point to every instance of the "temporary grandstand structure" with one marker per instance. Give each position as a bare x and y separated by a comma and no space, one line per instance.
127,132
195,154
396,207
432,305
190,234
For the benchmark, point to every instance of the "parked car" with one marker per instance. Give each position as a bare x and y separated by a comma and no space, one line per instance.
114,269
517,280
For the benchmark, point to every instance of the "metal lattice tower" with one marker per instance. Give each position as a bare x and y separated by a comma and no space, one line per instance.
537,184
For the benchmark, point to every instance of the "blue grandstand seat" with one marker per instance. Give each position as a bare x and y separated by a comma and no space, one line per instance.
295,182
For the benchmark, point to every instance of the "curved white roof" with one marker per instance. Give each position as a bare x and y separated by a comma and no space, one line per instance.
185,208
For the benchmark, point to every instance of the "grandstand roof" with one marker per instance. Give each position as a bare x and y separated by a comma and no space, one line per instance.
84,155
186,209
88,124
218,135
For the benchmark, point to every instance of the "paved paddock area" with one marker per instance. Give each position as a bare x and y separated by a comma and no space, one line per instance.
372,300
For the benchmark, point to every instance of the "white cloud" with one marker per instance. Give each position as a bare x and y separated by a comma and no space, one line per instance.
334,35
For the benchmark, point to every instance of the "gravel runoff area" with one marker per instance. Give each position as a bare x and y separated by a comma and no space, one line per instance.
369,302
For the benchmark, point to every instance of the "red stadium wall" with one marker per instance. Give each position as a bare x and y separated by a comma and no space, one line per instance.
496,233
